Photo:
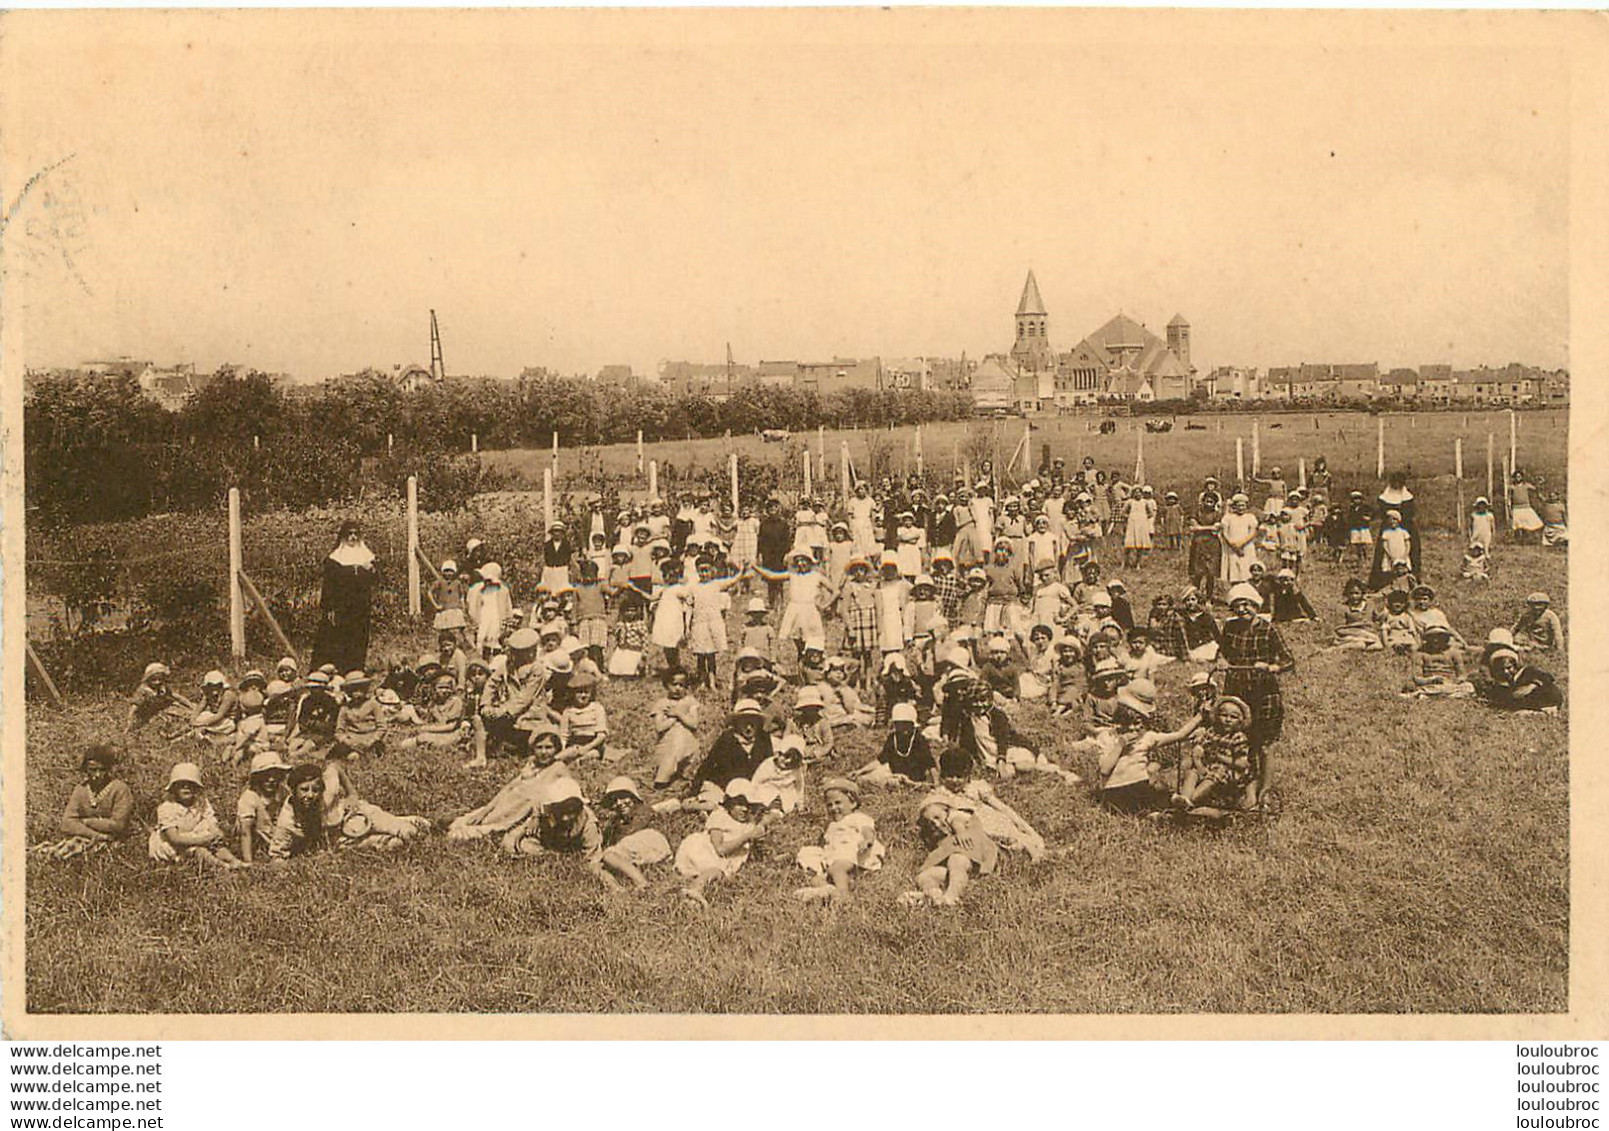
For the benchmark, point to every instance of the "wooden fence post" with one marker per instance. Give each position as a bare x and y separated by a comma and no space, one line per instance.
1491,489
44,676
639,451
237,602
262,606
413,546
843,468
732,462
547,500
1458,473
807,484
653,479
1240,463
1380,447
1256,449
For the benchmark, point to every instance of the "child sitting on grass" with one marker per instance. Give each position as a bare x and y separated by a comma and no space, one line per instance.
186,826
848,845
444,725
1100,699
98,810
359,724
630,842
1219,770
1358,630
214,720
723,845
154,697
564,824
299,828
259,804
1477,565
1123,749
1539,628
1440,670
906,757
842,706
675,718
783,772
990,740
584,724
1066,677
957,847
1141,660
1399,632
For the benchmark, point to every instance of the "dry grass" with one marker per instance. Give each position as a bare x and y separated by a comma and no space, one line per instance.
1419,443
1422,866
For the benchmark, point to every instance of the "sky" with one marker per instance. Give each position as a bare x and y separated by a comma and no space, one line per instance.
295,191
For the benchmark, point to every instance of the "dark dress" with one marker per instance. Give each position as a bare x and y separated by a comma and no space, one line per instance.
727,760
1533,689
344,609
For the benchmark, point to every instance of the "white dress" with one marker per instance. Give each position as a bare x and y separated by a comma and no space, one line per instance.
696,854
891,597
1237,563
1138,534
801,618
862,530
670,617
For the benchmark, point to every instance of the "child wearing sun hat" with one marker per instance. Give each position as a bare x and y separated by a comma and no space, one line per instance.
1439,667
723,845
906,757
153,696
1539,628
258,805
848,845
630,842
186,826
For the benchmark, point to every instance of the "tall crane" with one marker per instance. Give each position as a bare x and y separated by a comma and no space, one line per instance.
438,367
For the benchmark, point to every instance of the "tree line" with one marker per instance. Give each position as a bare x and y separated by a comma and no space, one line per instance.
97,449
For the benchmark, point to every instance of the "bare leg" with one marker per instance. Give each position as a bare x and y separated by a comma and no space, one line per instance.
959,868
695,890
617,862
839,873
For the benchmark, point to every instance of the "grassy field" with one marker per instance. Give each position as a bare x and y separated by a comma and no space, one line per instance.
1419,443
1422,866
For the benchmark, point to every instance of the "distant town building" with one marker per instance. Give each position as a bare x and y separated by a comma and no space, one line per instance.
824,377
1234,383
994,385
907,374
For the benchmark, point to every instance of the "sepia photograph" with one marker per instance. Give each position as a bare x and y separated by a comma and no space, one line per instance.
799,514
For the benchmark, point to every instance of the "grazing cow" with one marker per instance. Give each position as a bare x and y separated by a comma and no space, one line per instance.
1108,427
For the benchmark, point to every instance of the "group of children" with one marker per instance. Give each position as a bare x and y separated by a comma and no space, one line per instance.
942,644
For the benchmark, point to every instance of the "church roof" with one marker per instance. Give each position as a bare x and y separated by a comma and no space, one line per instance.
1179,320
1120,331
1031,303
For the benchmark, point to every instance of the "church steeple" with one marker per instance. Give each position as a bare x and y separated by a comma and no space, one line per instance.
1032,349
